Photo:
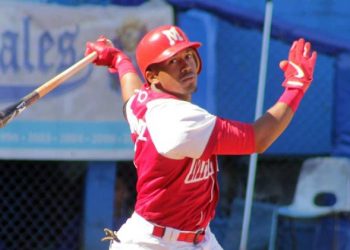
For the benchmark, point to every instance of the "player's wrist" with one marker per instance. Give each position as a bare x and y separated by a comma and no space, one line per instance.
292,97
122,64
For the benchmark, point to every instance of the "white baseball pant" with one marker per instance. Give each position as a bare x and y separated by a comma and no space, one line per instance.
136,234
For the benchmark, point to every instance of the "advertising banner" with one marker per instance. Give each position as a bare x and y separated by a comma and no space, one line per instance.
82,119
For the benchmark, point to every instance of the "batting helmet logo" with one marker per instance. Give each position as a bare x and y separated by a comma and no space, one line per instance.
172,35
161,44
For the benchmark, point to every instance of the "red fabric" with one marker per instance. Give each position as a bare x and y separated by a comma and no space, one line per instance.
158,231
292,97
110,56
231,138
191,237
299,69
105,51
125,66
163,183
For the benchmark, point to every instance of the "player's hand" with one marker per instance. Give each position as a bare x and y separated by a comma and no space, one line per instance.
299,69
110,235
107,54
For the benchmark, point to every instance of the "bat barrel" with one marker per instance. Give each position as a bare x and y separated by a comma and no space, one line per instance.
12,111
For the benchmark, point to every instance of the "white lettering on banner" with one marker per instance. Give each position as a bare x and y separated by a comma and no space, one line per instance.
16,48
172,35
200,170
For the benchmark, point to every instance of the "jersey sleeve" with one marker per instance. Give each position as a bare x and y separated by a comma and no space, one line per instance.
230,138
179,129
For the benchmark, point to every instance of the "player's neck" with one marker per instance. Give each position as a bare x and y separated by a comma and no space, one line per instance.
187,97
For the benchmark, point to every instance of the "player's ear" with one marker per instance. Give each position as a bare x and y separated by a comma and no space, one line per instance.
152,76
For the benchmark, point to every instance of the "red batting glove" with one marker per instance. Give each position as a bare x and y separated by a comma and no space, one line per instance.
107,54
299,68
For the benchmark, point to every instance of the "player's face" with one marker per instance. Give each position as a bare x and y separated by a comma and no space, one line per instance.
178,74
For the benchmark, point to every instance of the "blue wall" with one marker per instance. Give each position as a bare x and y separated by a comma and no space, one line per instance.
325,16
231,56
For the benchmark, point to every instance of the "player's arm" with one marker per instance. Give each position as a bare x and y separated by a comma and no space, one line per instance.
271,125
233,137
298,71
117,62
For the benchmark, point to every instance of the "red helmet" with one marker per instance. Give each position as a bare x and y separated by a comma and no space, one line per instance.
162,43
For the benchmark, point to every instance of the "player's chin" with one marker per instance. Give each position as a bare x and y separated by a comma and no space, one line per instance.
189,82
190,88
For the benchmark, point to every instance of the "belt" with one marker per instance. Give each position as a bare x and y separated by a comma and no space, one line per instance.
194,237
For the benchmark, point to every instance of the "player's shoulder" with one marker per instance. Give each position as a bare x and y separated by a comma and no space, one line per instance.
162,105
145,94
171,103
175,110
144,98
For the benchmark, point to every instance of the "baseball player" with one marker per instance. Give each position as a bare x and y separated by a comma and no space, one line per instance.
177,142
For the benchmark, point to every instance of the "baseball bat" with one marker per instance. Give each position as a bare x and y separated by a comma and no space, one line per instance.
10,112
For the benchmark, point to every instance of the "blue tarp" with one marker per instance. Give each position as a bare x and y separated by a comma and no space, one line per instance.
228,82
341,135
244,17
325,108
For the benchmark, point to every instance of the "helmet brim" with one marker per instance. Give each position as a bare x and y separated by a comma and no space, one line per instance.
175,49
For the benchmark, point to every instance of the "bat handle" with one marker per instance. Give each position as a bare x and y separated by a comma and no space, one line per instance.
72,70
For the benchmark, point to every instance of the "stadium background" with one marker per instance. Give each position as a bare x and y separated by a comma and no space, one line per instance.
65,204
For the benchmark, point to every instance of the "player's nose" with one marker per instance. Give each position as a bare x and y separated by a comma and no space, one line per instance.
185,66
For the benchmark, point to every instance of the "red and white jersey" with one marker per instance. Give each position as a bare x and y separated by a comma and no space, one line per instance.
175,160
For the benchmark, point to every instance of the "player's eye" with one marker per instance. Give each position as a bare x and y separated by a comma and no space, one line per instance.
173,61
189,55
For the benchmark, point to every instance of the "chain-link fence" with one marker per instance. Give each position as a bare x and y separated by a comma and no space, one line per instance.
237,54
41,205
